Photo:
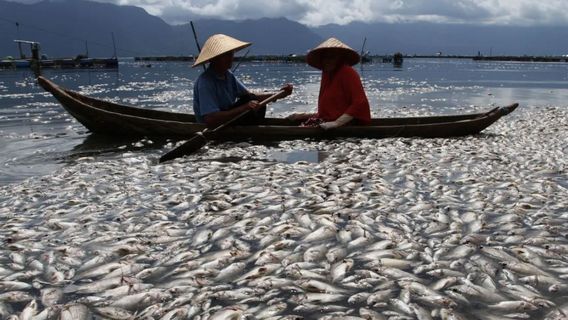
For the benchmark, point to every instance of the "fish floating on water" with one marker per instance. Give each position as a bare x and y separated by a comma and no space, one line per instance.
469,228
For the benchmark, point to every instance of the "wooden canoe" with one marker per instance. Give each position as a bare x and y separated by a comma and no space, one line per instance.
115,119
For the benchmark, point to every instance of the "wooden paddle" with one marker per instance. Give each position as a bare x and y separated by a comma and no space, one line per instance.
201,138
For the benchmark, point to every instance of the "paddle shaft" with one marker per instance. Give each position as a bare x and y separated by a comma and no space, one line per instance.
261,104
201,138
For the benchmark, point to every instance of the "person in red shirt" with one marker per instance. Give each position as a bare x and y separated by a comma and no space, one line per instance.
342,99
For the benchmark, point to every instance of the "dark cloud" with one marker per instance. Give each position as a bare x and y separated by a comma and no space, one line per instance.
318,12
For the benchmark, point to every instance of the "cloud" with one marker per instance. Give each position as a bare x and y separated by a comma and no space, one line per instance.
180,11
318,12
25,1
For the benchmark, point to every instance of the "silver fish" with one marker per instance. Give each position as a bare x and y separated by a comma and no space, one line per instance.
74,312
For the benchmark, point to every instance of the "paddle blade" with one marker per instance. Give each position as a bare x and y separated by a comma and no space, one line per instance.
188,147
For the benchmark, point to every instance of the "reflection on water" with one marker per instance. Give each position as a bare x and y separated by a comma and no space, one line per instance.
312,156
294,156
97,143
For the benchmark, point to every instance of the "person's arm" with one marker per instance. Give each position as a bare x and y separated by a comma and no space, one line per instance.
339,122
213,116
300,116
215,119
288,88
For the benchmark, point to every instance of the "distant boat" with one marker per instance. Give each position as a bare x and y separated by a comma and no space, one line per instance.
397,59
22,63
7,64
81,61
11,63
365,57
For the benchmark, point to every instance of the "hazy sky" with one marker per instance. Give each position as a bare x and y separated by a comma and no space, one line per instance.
318,12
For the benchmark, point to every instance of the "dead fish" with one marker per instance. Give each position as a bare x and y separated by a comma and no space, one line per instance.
322,233
525,268
271,311
358,298
258,272
228,313
315,253
231,271
15,296
401,306
30,310
420,312
141,299
51,296
74,312
444,283
318,298
396,263
369,314
381,296
125,290
398,274
14,286
442,272
47,313
177,313
99,270
201,237
335,254
339,270
312,285
113,313
100,285
513,306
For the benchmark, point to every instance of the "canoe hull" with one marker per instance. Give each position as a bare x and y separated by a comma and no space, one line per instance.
104,117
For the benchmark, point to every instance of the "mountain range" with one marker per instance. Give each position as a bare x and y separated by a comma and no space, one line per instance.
71,27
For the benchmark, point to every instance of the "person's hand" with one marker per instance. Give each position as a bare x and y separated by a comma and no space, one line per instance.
288,88
329,125
253,104
339,122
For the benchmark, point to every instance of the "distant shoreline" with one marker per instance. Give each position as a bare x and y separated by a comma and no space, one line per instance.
372,58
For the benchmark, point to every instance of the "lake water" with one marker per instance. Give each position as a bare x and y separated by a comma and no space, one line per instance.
38,136
448,228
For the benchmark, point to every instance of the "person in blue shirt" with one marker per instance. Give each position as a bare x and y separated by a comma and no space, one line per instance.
218,96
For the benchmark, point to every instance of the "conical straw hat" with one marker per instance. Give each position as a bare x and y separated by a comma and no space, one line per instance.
350,56
216,45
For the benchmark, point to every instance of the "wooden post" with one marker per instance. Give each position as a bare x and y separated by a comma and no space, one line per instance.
196,41
35,63
22,55
114,45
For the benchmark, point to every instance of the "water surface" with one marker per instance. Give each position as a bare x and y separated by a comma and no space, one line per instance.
38,136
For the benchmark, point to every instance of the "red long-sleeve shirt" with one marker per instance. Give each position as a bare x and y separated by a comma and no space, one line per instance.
342,92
